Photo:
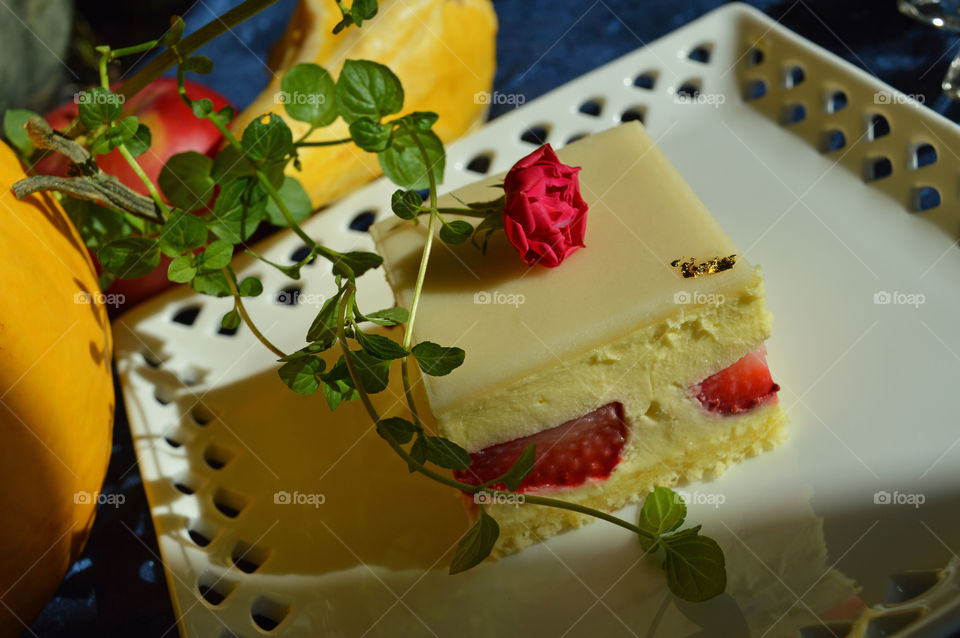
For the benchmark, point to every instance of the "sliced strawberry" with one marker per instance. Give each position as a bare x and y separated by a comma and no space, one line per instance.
566,456
740,387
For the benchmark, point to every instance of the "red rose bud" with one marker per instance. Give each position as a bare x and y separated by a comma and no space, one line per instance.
544,216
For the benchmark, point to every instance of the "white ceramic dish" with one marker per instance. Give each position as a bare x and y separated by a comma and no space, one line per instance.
865,347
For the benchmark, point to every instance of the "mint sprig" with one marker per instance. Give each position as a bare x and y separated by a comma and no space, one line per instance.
249,178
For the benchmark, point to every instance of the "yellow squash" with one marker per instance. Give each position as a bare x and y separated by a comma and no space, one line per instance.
56,398
443,51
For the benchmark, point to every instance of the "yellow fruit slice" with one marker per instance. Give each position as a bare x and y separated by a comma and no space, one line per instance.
56,398
443,51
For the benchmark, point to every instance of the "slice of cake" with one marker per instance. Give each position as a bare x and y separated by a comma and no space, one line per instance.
639,361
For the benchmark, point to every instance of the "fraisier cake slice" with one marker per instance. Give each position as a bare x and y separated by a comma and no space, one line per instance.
639,361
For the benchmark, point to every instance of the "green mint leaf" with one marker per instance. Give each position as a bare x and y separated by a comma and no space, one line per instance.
476,544
324,326
446,453
231,320
202,108
228,165
456,232
419,452
406,204
97,224
296,199
130,257
185,180
239,209
308,95
423,120
267,139
215,256
98,106
358,262
122,131
380,347
386,317
335,392
211,283
370,136
367,89
302,375
694,565
140,142
101,145
13,129
224,115
436,360
403,162
521,467
250,287
198,64
307,351
181,269
400,430
174,33
373,373
182,232
663,511
363,10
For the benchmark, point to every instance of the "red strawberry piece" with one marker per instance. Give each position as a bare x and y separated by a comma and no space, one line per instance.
566,456
740,387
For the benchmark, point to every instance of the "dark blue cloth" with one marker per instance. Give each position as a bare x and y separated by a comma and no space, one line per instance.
118,588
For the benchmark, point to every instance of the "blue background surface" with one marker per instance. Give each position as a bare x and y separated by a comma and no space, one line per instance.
118,587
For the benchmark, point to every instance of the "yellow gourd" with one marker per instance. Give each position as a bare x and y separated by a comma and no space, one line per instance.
56,398
443,51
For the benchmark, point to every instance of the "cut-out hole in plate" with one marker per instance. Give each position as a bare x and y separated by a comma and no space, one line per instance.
201,532
754,57
228,502
362,221
247,558
924,198
592,107
923,155
187,316
836,629
201,414
832,140
300,254
754,89
152,359
186,483
173,440
217,456
646,80
836,100
891,623
214,589
690,89
164,394
875,168
480,164
701,53
909,585
267,614
634,114
877,126
793,114
536,134
793,75
289,296
576,136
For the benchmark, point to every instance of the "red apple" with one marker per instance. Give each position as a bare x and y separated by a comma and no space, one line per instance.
174,129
